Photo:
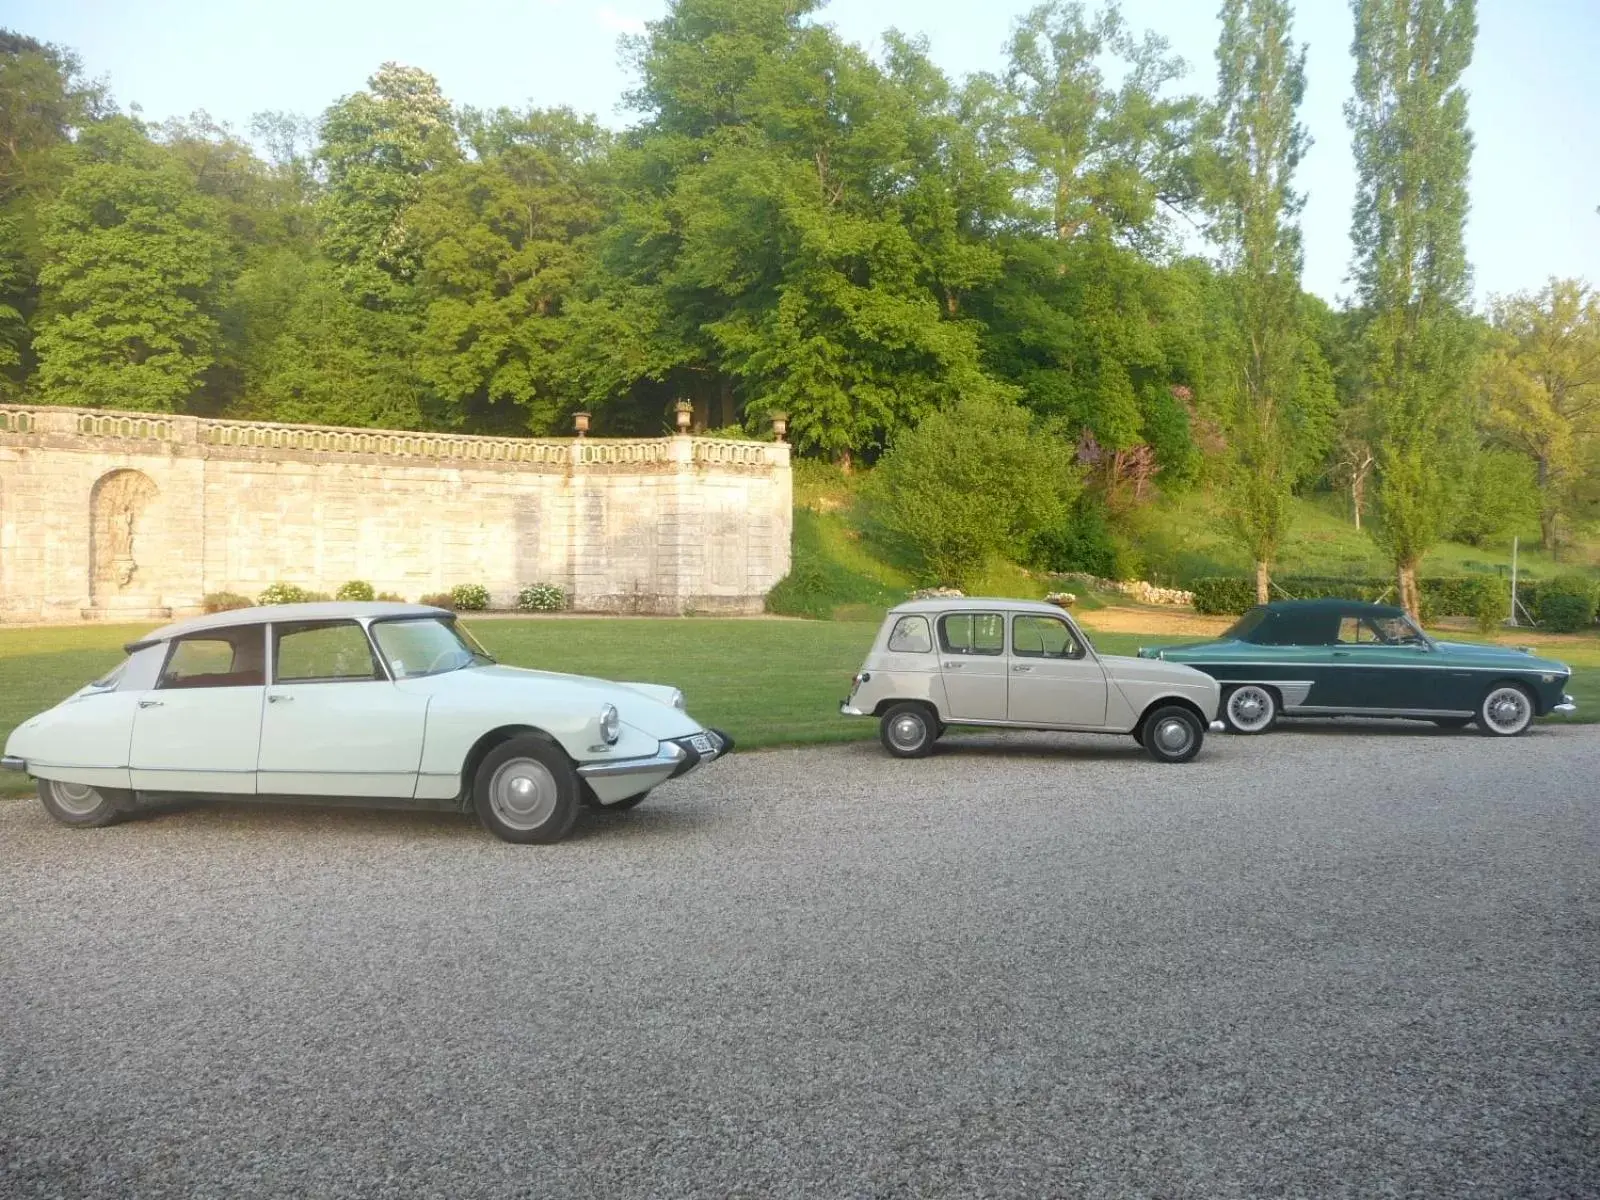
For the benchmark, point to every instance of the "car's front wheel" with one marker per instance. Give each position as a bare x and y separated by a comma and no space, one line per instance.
526,791
80,804
1506,711
909,730
1172,734
1249,708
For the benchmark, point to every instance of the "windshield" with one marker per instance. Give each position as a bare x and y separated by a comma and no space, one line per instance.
427,646
1399,631
1241,629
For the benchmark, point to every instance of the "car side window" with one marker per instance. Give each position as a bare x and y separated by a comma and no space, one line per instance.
1356,631
322,652
215,658
910,635
972,633
1043,637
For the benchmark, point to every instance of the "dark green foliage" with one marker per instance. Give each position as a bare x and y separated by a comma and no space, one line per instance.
1491,603
1475,596
1499,497
1566,604
1082,543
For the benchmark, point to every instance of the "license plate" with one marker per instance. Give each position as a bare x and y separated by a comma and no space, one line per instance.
702,743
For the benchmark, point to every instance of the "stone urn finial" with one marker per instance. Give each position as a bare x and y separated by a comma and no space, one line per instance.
780,425
580,424
683,410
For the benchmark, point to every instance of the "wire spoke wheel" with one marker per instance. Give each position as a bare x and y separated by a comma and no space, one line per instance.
1506,711
1250,709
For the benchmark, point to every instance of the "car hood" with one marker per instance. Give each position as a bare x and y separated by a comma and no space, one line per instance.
647,707
1176,653
1510,655
1150,670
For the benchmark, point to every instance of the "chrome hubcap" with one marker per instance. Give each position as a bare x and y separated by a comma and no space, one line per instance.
1506,710
906,731
1173,735
79,799
1250,708
523,793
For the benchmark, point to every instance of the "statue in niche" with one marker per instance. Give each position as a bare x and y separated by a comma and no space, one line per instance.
119,502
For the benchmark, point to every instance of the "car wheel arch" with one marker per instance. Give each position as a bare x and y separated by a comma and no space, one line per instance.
487,742
1522,685
1167,702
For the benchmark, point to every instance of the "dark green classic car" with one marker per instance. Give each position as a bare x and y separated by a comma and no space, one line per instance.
1326,658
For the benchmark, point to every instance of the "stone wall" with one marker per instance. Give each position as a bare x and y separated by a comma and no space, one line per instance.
108,514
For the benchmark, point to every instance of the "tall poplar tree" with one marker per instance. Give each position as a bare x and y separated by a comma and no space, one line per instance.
1256,144
1412,150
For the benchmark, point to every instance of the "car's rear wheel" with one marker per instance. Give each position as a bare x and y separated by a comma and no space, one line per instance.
1172,734
1506,711
909,730
1249,708
526,791
80,804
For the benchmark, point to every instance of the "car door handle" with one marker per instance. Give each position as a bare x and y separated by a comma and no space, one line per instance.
1021,667
950,666
1341,654
276,697
151,703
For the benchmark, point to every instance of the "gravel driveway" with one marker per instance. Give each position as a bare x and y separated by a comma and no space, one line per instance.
1319,963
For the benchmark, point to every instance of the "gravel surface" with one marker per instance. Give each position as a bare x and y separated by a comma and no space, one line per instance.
1331,962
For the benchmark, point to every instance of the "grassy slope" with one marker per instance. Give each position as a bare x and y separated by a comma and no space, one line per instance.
765,682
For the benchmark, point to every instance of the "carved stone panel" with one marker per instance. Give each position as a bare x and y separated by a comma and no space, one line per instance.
117,526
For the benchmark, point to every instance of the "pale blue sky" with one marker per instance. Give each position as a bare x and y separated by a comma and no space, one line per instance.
1535,85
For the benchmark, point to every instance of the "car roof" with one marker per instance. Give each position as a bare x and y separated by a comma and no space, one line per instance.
1334,605
326,610
942,604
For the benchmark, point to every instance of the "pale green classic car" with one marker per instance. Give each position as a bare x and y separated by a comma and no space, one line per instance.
354,703
1328,658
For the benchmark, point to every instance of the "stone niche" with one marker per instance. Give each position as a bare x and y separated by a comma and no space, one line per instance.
108,515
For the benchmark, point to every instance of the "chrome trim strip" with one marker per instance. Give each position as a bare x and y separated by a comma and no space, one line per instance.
1369,666
184,770
12,763
308,771
1347,711
78,766
665,759
1294,691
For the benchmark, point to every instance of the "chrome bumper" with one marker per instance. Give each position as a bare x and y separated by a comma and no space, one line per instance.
1567,705
12,763
849,710
670,756
1216,727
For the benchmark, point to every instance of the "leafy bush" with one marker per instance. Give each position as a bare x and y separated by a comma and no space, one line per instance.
1083,542
1500,495
216,602
1219,596
355,589
439,600
1567,604
971,482
1491,603
283,593
470,597
314,597
390,597
541,597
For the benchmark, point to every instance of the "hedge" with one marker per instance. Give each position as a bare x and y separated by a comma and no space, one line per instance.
1454,596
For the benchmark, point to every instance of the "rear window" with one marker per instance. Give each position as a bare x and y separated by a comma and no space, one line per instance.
910,636
972,633
216,658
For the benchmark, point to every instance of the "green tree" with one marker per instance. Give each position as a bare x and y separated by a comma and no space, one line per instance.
505,240
1412,150
971,482
1543,384
1256,145
135,258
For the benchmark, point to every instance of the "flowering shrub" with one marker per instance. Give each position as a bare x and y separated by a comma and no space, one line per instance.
937,593
283,593
356,589
541,597
470,597
1060,599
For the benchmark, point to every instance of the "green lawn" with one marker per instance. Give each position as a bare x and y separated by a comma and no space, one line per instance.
765,682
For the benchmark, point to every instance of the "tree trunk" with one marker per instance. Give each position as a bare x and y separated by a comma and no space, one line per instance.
1263,583
843,461
1357,487
1410,598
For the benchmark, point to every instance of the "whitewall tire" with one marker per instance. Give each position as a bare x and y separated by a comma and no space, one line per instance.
1506,711
1249,708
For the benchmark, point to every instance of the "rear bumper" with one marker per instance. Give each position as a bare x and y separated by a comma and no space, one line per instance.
1567,705
1216,727
12,763
850,710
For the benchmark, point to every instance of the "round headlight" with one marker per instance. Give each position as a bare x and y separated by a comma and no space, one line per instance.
610,724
